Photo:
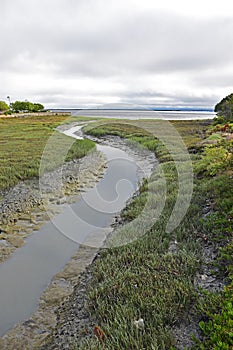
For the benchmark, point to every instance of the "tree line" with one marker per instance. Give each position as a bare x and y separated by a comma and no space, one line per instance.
21,106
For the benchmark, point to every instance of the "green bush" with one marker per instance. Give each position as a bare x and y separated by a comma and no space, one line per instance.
26,106
218,331
214,159
3,106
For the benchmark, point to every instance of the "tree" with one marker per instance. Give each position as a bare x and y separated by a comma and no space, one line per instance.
3,106
225,108
37,107
26,106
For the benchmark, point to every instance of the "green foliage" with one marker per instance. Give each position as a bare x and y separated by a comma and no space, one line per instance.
26,106
215,137
218,331
36,107
3,106
219,120
214,159
225,107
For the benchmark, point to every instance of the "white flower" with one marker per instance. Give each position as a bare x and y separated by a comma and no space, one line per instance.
140,323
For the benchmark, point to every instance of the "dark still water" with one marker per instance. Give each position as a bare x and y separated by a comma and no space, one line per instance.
141,114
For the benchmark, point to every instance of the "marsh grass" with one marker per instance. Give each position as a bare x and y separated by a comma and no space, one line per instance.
144,279
22,142
216,308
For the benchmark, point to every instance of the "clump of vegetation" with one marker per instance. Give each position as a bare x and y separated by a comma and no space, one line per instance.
3,106
214,159
218,330
26,106
224,109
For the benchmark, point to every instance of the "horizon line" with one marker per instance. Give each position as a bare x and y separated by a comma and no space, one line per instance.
164,109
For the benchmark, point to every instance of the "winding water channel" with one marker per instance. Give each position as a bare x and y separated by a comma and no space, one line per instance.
27,273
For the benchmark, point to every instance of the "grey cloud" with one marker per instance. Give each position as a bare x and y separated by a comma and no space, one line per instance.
217,77
171,100
77,39
145,48
145,43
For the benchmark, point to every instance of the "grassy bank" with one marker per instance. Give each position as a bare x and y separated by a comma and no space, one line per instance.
153,278
22,143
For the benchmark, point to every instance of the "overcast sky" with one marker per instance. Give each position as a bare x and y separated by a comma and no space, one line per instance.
80,53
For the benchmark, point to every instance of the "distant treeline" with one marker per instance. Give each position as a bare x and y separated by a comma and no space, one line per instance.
20,106
26,106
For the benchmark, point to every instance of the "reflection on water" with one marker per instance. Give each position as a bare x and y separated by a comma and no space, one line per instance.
30,269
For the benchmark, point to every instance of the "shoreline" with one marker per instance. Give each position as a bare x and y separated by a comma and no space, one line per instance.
62,285
22,208
39,114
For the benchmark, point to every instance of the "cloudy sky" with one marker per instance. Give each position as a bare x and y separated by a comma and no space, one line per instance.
83,53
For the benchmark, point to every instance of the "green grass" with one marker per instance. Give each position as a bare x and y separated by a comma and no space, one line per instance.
217,307
143,279
192,132
218,331
22,142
